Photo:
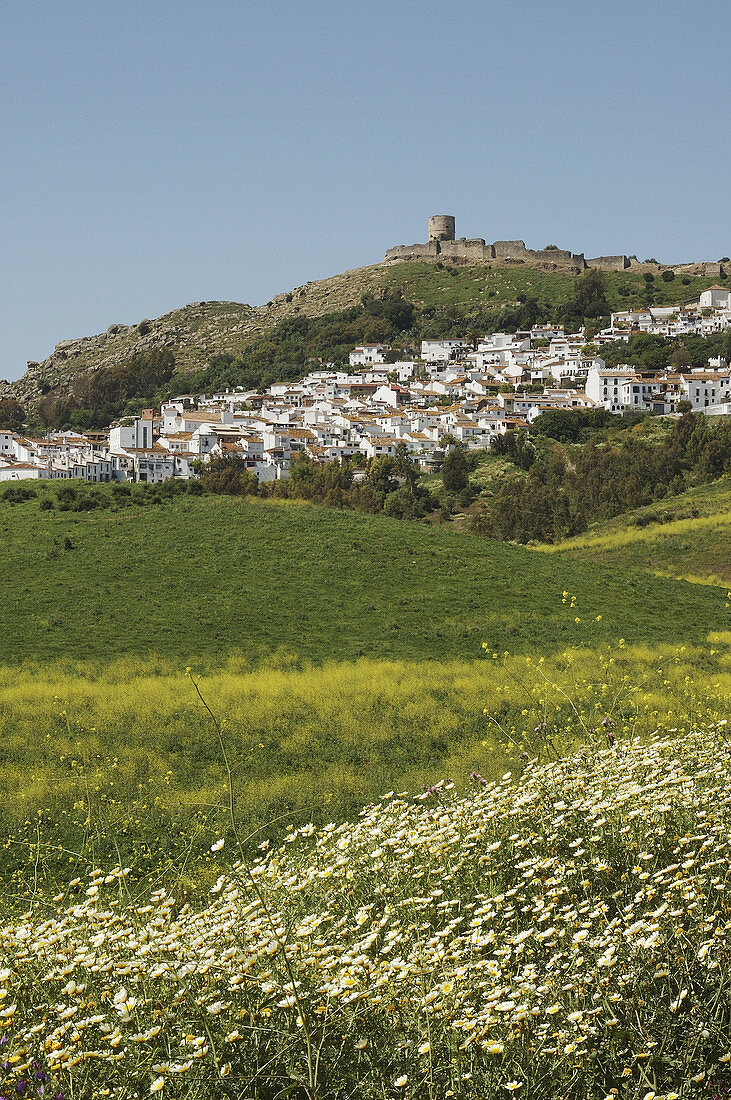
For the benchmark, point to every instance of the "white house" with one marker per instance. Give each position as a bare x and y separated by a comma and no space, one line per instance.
150,464
175,418
638,393
704,388
441,351
604,387
391,394
368,355
379,445
716,297
133,432
404,369
24,471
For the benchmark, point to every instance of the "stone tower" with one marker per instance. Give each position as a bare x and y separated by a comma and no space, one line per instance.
441,227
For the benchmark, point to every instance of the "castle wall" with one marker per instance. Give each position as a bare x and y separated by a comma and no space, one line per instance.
405,252
509,250
609,263
469,251
701,268
557,257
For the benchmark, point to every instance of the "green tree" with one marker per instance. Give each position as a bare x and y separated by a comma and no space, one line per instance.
680,357
455,475
726,351
590,293
380,475
12,415
229,476
404,466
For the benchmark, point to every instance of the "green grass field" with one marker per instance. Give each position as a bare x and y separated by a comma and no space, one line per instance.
343,652
687,536
194,579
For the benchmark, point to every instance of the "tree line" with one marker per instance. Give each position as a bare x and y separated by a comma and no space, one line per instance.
564,487
388,485
96,399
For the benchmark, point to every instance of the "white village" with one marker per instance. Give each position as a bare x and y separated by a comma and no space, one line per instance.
466,391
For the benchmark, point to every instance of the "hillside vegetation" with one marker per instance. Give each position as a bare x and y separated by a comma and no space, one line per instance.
687,536
189,578
563,486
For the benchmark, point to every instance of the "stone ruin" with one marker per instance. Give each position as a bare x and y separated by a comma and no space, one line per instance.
443,245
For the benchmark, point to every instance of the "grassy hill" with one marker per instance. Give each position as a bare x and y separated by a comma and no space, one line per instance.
342,655
194,577
197,332
687,536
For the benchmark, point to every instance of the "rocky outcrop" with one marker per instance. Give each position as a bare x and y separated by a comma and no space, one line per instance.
192,333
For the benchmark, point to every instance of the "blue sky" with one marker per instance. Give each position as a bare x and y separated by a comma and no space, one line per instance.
160,152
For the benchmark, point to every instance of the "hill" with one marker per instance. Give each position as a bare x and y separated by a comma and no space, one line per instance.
687,536
195,577
470,295
341,654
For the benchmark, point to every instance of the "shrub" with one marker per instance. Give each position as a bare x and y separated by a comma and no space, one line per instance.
16,494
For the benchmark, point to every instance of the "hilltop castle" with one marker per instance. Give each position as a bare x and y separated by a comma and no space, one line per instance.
442,245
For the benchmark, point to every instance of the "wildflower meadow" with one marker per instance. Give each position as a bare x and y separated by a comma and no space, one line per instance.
123,765
565,932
